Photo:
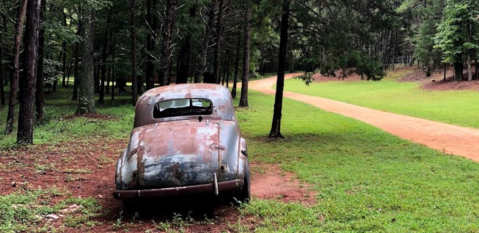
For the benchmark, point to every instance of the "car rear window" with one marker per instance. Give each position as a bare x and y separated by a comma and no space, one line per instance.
183,107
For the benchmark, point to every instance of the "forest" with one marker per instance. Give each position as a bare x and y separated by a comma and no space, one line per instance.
358,115
99,48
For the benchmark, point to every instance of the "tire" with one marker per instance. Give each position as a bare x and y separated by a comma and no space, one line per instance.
244,195
128,205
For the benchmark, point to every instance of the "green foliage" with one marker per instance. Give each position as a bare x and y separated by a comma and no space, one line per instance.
458,31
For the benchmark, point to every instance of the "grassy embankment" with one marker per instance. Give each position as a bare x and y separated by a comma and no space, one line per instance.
365,179
453,107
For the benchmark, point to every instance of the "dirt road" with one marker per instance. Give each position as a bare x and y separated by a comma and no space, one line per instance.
448,138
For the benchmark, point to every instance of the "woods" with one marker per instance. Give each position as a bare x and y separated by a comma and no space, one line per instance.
94,48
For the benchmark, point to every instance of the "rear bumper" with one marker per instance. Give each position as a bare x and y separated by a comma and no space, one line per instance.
185,190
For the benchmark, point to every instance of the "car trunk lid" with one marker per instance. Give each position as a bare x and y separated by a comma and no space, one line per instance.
178,153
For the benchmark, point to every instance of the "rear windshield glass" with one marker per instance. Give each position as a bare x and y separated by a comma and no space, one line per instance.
183,107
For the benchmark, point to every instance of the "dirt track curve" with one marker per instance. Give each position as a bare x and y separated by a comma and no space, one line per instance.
448,138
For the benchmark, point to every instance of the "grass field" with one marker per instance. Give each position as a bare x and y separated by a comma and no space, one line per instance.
453,107
365,179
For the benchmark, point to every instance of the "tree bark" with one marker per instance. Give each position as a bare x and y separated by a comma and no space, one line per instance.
41,56
185,53
202,61
64,48
458,67
113,68
134,80
86,102
216,59
28,83
167,35
238,49
477,71
278,101
15,73
469,72
247,39
150,45
101,100
2,73
77,78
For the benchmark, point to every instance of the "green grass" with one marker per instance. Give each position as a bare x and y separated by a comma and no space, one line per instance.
453,107
365,179
26,211
55,127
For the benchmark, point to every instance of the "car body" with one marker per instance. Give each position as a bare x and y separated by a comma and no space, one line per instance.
185,140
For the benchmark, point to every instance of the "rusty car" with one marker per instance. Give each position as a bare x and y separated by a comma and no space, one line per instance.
185,141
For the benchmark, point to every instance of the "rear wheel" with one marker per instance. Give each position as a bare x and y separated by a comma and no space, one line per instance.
244,195
129,205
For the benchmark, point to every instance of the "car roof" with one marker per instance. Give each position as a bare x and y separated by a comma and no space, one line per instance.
219,96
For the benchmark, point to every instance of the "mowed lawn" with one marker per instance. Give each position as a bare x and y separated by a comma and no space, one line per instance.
364,179
453,107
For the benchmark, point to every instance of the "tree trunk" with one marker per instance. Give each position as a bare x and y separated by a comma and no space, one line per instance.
477,71
69,71
185,53
458,67
150,46
202,61
86,102
113,69
216,59
15,73
41,55
469,72
64,48
77,78
394,48
238,49
134,83
278,101
227,68
28,83
445,71
101,100
2,73
247,39
167,36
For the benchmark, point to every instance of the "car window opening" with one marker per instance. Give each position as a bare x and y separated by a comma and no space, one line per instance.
183,107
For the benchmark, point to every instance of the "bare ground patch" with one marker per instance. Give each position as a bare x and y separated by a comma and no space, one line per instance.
270,182
84,170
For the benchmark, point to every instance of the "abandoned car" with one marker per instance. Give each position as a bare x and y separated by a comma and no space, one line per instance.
185,140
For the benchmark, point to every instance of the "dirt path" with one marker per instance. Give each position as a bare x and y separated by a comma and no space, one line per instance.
448,138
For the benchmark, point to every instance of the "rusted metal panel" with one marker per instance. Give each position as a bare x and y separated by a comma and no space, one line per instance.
185,190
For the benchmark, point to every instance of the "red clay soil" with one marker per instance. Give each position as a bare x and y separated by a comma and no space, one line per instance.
436,81
448,138
269,182
87,170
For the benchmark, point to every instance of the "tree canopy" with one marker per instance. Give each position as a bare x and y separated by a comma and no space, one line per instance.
104,46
